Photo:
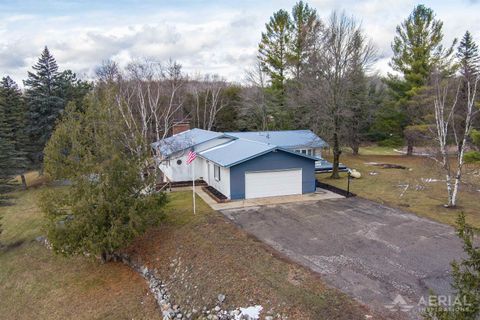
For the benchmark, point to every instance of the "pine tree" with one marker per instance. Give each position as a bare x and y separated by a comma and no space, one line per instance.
466,280
473,156
72,89
7,154
273,48
44,104
468,56
15,112
417,48
15,120
469,64
306,27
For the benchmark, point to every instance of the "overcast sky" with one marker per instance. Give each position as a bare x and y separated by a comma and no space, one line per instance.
204,36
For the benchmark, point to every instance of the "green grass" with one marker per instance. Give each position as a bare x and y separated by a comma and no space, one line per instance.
422,197
180,209
37,284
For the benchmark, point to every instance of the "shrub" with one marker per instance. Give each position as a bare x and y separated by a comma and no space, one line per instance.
108,201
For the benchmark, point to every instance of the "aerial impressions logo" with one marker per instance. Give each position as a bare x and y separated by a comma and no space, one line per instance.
445,302
399,304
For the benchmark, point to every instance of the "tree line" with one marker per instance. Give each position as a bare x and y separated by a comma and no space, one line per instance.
310,74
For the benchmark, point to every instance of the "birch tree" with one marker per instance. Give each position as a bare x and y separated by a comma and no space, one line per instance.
149,96
209,99
446,128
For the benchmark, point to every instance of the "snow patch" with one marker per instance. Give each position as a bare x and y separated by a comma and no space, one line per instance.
252,312
429,180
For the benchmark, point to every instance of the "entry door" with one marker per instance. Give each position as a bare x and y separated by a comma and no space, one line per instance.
273,183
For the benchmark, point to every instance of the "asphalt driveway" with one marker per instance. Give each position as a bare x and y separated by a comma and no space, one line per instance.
370,251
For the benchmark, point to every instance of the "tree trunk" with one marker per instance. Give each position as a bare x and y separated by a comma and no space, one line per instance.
336,157
24,181
409,148
355,147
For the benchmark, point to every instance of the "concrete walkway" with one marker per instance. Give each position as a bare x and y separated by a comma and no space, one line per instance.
320,194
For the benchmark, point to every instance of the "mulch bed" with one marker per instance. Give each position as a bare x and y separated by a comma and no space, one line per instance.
178,184
339,191
215,194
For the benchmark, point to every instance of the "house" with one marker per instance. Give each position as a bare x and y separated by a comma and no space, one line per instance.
243,165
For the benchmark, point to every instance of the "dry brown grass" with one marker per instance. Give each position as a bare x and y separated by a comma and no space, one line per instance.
204,255
422,196
37,284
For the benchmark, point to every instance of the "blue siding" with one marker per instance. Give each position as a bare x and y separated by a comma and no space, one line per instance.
272,161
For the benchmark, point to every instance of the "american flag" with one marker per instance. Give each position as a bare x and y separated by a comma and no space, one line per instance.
191,156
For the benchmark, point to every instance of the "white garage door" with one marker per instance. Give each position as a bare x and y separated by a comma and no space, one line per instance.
273,183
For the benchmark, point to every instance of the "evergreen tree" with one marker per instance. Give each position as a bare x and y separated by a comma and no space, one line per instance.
468,56
473,156
44,104
417,48
469,65
7,154
466,280
273,49
72,89
15,118
273,54
306,27
109,201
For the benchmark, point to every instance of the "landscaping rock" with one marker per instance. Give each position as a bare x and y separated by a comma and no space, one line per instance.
171,311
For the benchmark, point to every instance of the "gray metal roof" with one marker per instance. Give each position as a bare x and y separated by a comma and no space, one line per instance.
286,139
184,140
241,150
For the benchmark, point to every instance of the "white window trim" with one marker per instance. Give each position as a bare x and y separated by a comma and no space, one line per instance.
219,178
306,151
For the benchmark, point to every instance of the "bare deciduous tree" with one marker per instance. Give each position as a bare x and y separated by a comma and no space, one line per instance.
327,87
209,96
149,97
255,97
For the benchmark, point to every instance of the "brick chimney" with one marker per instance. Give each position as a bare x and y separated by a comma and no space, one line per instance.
180,127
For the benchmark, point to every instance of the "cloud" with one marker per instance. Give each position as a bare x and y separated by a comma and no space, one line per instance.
206,37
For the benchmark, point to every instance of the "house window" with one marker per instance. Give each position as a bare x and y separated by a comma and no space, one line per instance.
309,152
216,172
304,151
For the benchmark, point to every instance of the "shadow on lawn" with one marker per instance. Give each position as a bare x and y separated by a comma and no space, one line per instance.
4,248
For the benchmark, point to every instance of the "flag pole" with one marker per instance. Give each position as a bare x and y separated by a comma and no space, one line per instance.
193,189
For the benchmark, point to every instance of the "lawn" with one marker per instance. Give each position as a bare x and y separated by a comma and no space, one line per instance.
37,284
419,189
199,256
